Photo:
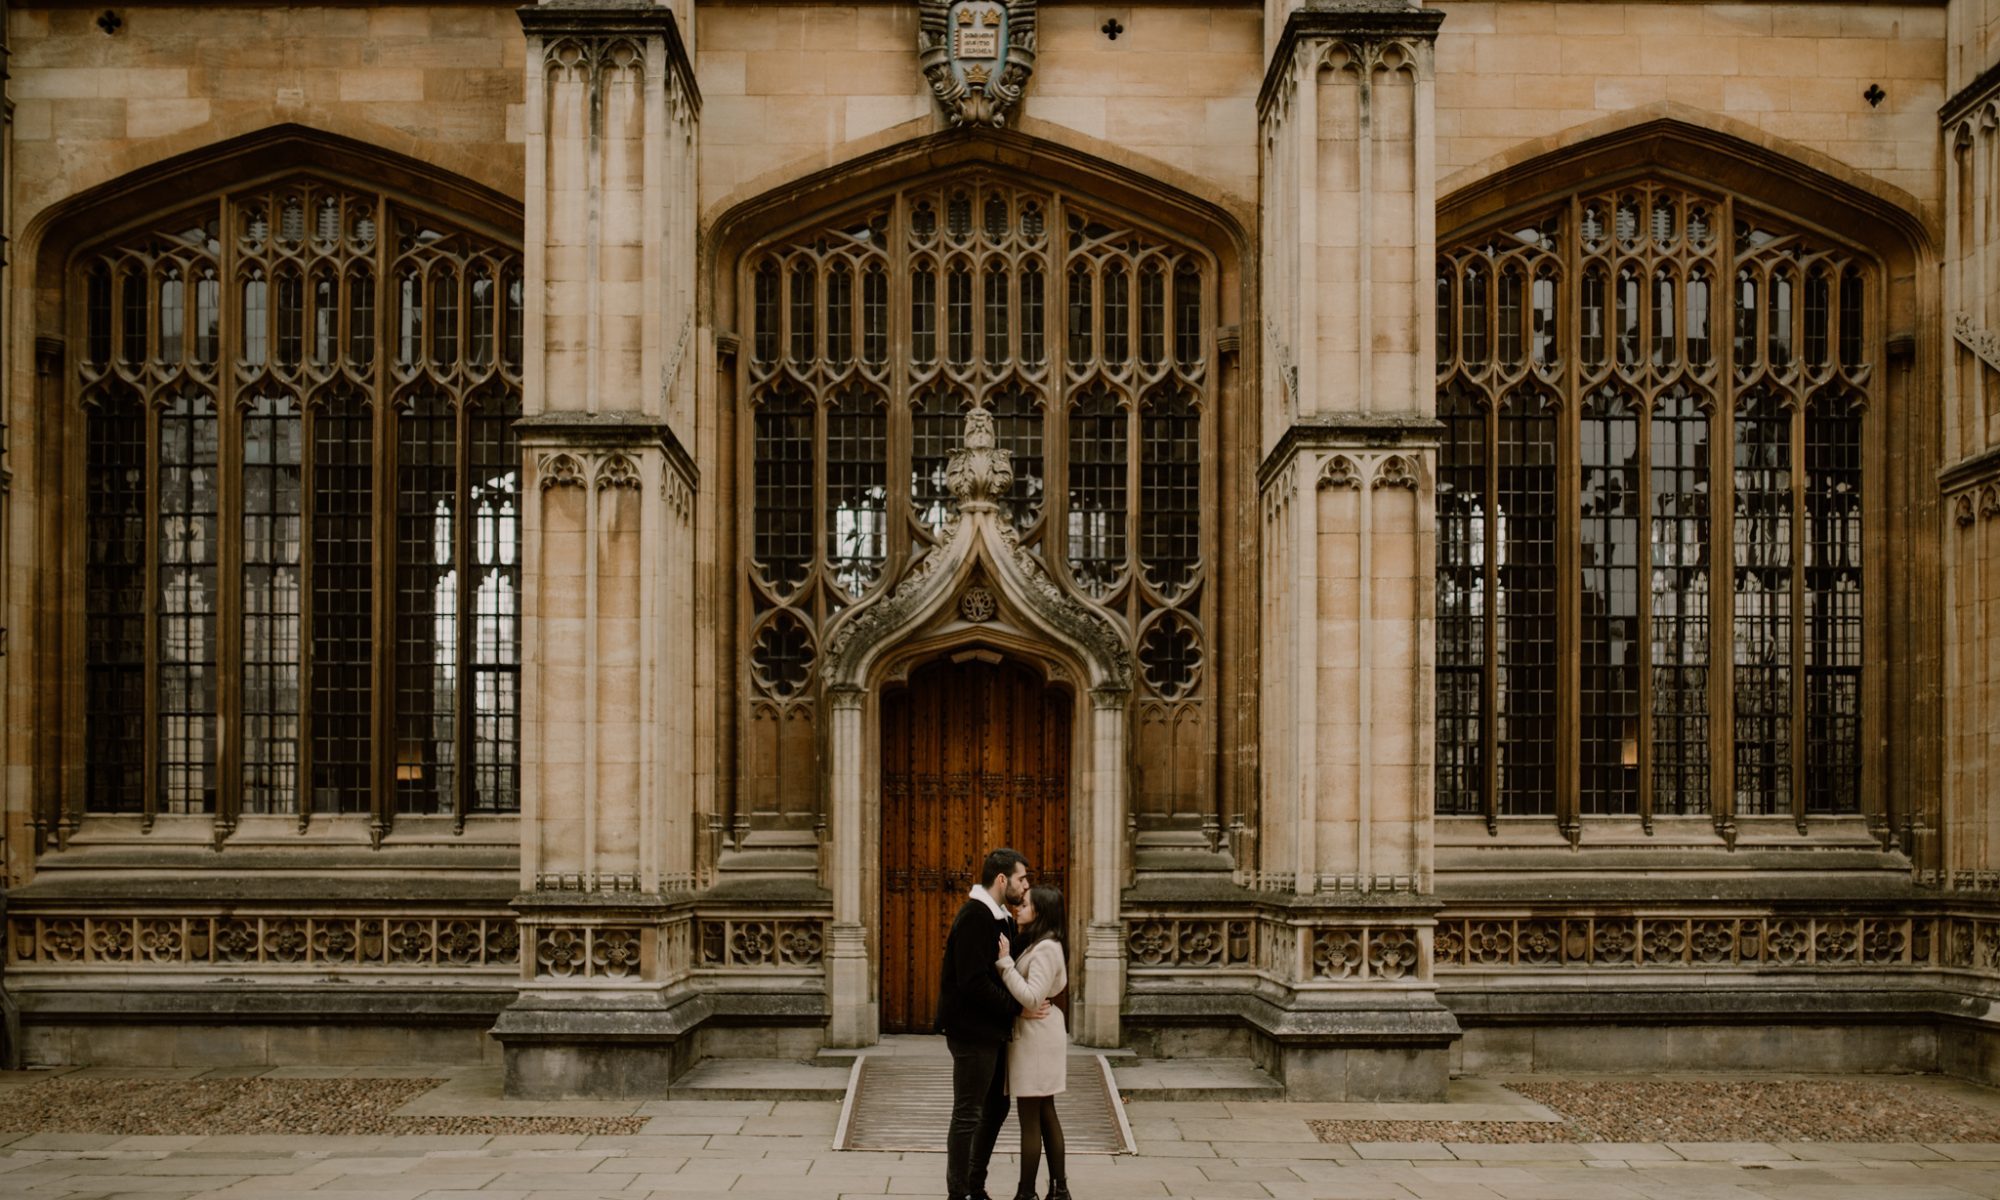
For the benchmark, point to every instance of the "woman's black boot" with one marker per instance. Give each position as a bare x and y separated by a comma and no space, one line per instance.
1058,1189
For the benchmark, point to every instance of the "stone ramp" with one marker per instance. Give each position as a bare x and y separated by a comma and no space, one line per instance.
903,1102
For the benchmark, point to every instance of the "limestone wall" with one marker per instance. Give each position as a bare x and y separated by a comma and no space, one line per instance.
785,86
1513,77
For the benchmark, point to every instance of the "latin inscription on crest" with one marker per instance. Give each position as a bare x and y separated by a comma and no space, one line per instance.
977,55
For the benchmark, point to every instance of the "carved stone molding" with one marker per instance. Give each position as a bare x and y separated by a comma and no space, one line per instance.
1339,472
978,533
560,470
179,940
1398,471
977,55
618,471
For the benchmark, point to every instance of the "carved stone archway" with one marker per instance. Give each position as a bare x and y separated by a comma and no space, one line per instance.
1047,622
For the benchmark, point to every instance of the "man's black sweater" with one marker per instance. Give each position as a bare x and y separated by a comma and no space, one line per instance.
972,1002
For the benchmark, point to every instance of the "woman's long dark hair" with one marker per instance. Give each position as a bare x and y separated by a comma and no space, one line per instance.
1049,922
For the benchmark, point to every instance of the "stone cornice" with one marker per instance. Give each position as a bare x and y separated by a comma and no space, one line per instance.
1970,472
588,18
1346,431
1982,87
608,430
1375,21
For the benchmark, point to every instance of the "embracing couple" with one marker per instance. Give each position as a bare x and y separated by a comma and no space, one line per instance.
1003,961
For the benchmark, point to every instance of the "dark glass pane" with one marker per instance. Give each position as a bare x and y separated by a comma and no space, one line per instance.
427,613
291,319
1609,616
444,318
1152,316
97,316
1665,351
132,321
782,544
839,315
1472,303
1461,604
409,317
188,654
923,316
1034,350
272,459
764,315
115,516
1170,491
1681,605
1187,317
343,598
875,316
256,319
1510,316
1819,316
996,316
935,427
326,318
958,315
1590,318
514,316
1833,606
1547,348
1099,450
1699,352
857,491
1852,355
1079,317
1763,597
481,320
207,316
494,702
1778,323
361,319
1627,318
172,315
1746,320
1526,606
1117,316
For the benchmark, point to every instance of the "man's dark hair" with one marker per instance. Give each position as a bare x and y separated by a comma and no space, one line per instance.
1000,862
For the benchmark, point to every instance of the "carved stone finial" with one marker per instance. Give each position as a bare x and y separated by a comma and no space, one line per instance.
979,472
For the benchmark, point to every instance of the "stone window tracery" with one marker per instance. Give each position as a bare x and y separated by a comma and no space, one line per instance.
1087,338
291,380
1671,468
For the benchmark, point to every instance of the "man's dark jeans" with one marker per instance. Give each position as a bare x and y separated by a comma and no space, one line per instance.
978,1110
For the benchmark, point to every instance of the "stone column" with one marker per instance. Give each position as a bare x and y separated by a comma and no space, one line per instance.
1349,454
607,829
1104,938
855,1013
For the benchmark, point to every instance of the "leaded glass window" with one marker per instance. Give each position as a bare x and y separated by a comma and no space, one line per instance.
1647,381
1083,333
248,366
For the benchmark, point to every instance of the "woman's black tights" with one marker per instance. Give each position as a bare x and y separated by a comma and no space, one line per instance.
1040,1130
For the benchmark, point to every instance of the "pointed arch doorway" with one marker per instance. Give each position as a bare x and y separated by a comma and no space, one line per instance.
975,754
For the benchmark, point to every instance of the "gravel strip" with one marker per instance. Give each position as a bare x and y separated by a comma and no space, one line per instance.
1690,1111
293,1107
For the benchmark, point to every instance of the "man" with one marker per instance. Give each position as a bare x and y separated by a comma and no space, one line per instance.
976,1015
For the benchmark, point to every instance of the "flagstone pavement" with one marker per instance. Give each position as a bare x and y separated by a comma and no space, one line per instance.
691,1149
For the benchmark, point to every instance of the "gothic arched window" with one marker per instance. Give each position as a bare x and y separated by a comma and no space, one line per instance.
302,510
1653,403
868,338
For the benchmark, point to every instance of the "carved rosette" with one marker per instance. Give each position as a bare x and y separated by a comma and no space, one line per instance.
977,55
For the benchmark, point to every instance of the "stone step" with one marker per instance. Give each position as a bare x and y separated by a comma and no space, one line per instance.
1195,1079
758,1079
931,1046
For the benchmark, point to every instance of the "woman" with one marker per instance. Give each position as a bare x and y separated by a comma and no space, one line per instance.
1038,1057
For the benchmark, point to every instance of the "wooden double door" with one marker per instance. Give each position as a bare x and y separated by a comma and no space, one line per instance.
975,755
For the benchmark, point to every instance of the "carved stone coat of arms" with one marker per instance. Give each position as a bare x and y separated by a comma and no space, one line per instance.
978,55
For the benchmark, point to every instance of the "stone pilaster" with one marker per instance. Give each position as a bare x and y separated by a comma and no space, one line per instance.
1349,455
607,862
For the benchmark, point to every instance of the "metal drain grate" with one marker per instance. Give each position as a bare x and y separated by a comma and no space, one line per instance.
904,1103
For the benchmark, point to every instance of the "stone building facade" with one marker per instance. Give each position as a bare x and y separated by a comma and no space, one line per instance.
1463,537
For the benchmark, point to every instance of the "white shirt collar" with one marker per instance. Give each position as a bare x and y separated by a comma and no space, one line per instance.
980,893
